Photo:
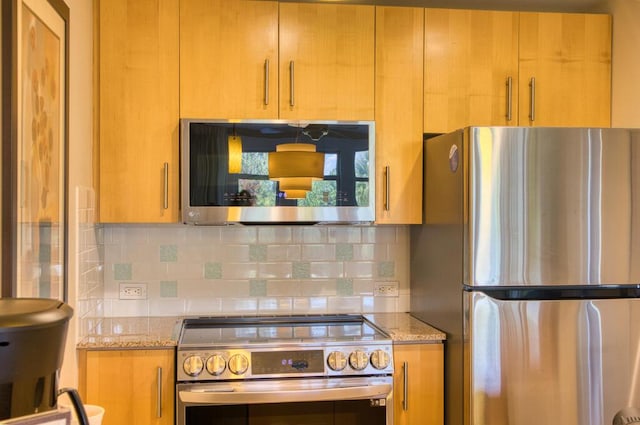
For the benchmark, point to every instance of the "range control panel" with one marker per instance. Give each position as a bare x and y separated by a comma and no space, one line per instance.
212,364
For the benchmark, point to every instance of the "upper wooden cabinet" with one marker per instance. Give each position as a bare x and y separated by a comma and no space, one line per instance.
326,61
261,59
479,68
470,55
228,59
398,101
137,116
569,57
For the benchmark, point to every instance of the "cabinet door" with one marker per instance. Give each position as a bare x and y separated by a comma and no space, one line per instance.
138,110
133,386
398,101
228,59
326,61
471,56
569,56
418,384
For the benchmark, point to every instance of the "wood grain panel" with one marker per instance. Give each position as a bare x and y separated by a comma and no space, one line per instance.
425,403
469,54
332,47
569,55
223,48
124,382
138,109
398,114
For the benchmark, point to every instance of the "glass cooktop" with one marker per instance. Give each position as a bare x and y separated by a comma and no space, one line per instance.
209,331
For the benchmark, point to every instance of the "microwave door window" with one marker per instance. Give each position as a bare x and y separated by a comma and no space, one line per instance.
215,181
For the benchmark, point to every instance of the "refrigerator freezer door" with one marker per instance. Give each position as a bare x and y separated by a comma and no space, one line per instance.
569,362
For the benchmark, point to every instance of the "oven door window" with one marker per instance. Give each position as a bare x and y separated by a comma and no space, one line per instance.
343,412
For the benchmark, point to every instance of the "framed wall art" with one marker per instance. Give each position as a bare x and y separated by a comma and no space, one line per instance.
35,121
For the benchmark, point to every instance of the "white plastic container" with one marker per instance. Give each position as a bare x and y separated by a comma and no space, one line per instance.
94,414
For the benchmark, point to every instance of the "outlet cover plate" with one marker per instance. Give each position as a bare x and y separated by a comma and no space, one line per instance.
133,291
385,289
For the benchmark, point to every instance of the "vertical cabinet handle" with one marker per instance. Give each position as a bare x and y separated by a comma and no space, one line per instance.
292,101
387,187
165,202
159,395
405,386
509,97
266,82
532,94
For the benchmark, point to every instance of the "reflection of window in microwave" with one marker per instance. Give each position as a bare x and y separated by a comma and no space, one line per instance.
323,193
346,165
361,163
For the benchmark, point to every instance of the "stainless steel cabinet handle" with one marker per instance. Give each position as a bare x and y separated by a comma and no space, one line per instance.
165,203
509,97
292,101
405,387
387,186
266,82
532,93
159,395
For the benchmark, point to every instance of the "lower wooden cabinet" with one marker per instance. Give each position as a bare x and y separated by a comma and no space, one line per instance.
418,384
133,386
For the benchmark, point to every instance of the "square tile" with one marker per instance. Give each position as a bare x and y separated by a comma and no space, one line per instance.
257,288
344,287
212,270
168,253
168,289
387,269
344,252
301,270
257,252
122,271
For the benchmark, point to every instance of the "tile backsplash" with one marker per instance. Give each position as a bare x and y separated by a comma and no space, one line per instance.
191,270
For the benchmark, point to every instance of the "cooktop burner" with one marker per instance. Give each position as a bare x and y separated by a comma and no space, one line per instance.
277,329
241,347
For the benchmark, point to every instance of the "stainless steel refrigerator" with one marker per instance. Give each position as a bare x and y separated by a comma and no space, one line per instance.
529,259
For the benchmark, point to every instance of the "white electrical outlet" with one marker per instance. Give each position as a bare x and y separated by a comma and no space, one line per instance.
385,289
133,291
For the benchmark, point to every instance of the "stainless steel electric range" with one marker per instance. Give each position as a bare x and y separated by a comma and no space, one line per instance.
299,369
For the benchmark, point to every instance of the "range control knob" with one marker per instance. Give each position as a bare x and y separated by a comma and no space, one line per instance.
358,360
238,364
380,359
192,365
337,360
216,364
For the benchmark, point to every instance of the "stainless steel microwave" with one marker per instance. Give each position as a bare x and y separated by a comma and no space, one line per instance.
275,171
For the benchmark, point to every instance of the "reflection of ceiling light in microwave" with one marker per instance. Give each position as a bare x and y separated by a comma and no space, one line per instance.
315,133
295,166
235,154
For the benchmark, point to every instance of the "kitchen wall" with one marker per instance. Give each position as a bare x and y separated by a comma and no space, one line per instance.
334,267
626,62
80,169
188,270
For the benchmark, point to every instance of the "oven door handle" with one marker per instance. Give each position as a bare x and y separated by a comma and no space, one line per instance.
227,396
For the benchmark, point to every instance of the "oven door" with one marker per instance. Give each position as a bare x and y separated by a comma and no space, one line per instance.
349,401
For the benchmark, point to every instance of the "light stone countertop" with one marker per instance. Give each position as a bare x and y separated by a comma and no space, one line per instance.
403,328
162,332
130,332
